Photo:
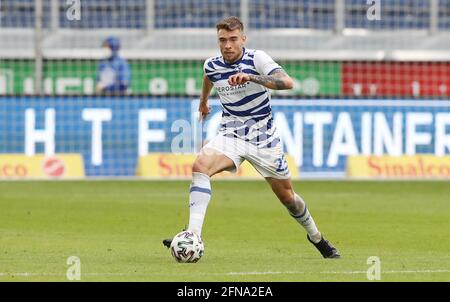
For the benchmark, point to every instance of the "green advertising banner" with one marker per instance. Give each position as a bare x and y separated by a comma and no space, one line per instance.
156,77
15,76
314,78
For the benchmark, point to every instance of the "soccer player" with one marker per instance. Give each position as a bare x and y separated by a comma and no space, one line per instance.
242,78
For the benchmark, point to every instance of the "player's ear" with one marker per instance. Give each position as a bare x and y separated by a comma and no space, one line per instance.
244,37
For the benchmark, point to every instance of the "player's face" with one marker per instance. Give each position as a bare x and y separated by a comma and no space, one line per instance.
231,44
106,51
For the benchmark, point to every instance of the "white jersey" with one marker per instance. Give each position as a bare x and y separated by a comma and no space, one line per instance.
246,110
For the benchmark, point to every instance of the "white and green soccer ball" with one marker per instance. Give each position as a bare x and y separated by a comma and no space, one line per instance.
187,247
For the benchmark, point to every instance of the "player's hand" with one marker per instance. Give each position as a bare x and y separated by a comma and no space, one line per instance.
99,88
204,110
238,79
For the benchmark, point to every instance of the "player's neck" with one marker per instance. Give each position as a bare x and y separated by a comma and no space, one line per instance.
238,58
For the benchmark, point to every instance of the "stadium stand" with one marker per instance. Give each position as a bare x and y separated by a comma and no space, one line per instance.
290,30
331,49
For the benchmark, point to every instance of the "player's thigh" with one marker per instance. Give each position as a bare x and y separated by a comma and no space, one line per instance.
211,161
282,188
221,153
272,165
269,162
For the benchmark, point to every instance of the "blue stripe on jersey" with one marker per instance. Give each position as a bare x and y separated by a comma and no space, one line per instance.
261,138
247,99
214,77
231,135
257,110
244,128
211,78
272,144
242,131
248,62
211,66
257,107
260,118
265,110
233,124
219,63
262,104
250,71
247,123
269,124
248,112
250,121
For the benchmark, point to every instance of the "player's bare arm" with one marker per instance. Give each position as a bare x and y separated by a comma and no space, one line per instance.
278,80
203,108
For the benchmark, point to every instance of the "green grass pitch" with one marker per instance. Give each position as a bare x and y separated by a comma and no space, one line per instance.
116,228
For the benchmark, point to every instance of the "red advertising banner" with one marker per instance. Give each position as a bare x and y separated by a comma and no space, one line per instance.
412,79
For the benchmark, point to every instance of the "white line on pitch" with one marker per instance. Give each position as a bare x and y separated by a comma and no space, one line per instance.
26,274
344,272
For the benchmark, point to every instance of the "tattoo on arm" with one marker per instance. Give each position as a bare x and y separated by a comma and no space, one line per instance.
273,81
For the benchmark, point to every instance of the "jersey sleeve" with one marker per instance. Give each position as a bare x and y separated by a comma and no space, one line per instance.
124,74
100,68
264,64
208,69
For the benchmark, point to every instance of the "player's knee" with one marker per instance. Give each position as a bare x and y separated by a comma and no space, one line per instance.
287,198
200,167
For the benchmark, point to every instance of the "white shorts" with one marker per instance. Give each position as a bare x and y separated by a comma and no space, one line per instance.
269,162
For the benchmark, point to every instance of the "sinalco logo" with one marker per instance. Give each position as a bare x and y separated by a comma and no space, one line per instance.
53,167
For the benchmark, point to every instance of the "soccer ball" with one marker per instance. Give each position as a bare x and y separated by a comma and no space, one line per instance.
187,247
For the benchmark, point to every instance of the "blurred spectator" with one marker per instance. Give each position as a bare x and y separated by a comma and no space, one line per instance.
113,75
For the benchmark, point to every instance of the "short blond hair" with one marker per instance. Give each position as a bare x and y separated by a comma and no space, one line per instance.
230,24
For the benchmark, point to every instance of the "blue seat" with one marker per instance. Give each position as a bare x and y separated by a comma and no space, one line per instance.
263,14
395,14
193,13
292,14
444,14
